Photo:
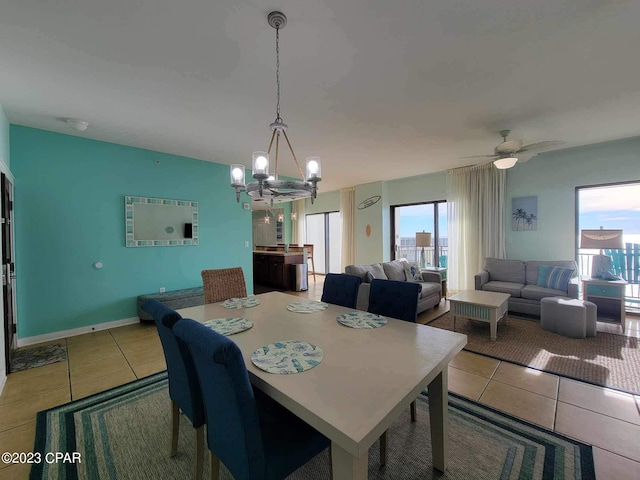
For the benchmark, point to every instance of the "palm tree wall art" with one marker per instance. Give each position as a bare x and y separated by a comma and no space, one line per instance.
524,213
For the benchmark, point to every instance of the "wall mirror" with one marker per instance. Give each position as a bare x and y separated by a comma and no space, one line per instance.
160,222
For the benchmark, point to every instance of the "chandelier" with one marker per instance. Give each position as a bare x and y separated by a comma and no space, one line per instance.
268,186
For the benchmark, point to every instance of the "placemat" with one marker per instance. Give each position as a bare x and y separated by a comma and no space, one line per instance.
287,356
361,320
244,302
309,306
229,326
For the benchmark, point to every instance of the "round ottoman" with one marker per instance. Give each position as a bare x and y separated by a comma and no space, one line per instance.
569,317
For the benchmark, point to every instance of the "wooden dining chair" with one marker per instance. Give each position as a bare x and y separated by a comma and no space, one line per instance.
184,386
396,299
341,289
309,247
223,283
253,435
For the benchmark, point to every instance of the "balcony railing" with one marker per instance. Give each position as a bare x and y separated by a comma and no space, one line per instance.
412,254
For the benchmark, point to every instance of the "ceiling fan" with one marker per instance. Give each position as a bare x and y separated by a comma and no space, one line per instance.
504,155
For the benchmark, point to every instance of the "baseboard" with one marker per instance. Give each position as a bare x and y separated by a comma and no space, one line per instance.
75,331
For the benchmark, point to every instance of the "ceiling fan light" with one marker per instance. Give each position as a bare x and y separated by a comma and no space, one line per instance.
504,163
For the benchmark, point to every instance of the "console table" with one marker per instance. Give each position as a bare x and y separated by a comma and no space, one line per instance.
608,297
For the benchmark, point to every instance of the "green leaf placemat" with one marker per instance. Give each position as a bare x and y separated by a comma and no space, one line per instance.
361,320
244,302
229,326
309,306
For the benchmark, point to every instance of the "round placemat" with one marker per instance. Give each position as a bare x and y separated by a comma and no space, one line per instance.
307,307
287,356
361,320
229,326
244,302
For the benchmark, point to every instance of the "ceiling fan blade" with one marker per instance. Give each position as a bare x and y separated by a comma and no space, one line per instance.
481,156
541,145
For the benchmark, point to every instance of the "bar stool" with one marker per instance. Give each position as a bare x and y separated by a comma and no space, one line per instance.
309,247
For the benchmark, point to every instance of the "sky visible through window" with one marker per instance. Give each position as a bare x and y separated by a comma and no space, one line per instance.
615,207
418,218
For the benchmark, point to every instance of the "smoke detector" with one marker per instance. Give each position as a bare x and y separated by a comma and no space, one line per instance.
79,125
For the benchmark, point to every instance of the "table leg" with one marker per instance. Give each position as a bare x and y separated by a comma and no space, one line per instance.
439,417
454,322
494,330
347,467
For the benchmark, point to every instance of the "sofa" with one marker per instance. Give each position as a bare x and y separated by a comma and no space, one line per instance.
520,279
431,286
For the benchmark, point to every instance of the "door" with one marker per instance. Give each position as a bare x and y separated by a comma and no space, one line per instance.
7,267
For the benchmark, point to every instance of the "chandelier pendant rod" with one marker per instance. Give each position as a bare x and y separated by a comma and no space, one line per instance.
286,137
273,135
275,174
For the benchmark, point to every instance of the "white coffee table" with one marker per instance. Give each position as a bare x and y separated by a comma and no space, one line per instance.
480,305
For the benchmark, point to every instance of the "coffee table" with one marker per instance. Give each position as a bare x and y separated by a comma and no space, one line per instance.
480,305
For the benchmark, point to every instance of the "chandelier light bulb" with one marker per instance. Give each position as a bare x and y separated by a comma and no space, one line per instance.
237,176
261,162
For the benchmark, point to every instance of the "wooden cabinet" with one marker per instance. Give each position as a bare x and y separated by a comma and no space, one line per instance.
274,268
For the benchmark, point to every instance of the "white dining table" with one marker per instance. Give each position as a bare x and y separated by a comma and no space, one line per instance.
366,379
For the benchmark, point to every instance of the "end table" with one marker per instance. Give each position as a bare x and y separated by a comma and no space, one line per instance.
609,297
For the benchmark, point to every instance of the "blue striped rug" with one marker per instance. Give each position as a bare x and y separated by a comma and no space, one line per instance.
123,434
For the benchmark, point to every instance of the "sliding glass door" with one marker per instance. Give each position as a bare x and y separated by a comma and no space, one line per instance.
324,231
419,233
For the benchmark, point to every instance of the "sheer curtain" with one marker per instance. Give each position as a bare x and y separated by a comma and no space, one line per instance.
476,200
297,225
347,212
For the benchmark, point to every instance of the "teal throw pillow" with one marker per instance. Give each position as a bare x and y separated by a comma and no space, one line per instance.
556,278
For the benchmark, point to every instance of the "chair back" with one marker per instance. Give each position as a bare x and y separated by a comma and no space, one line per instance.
233,426
184,387
341,289
223,283
393,298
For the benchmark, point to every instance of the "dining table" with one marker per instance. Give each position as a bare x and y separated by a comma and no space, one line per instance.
366,379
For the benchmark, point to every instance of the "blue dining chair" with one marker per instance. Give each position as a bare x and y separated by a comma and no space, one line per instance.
254,436
396,299
184,386
341,289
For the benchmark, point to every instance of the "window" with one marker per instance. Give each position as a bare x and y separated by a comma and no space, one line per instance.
407,220
617,207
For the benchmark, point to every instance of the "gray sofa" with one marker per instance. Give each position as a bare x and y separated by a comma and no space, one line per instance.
519,279
430,295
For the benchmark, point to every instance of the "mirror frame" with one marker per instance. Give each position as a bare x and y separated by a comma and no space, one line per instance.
130,201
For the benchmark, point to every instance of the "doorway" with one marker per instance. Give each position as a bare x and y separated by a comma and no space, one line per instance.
324,231
8,271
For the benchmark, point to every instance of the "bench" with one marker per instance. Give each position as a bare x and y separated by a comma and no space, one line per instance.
176,299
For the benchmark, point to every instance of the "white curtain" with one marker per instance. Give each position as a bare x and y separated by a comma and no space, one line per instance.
348,216
297,226
476,200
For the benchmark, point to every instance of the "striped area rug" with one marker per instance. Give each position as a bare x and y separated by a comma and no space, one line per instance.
124,434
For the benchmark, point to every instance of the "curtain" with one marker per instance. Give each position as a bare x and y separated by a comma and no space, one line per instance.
348,216
297,226
476,200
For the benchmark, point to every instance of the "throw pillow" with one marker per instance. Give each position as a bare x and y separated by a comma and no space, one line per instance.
412,272
556,278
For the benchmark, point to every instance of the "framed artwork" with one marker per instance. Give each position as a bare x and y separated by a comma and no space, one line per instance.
524,213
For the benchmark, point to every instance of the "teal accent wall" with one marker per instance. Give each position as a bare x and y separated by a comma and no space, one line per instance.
553,177
69,213
5,154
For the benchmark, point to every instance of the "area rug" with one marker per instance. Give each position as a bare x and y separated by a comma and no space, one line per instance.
38,356
607,360
124,434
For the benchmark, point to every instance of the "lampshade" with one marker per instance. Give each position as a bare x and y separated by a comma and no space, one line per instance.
423,239
599,239
504,163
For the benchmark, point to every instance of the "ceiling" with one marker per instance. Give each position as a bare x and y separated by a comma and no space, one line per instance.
378,89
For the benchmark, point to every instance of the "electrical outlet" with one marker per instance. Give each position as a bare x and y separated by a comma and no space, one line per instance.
246,244
162,289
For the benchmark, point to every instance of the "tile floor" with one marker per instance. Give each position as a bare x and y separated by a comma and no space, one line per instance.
606,419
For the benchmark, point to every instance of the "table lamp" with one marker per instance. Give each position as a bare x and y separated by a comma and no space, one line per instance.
601,239
423,239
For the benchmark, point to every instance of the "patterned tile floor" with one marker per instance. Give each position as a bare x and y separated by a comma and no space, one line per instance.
607,419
